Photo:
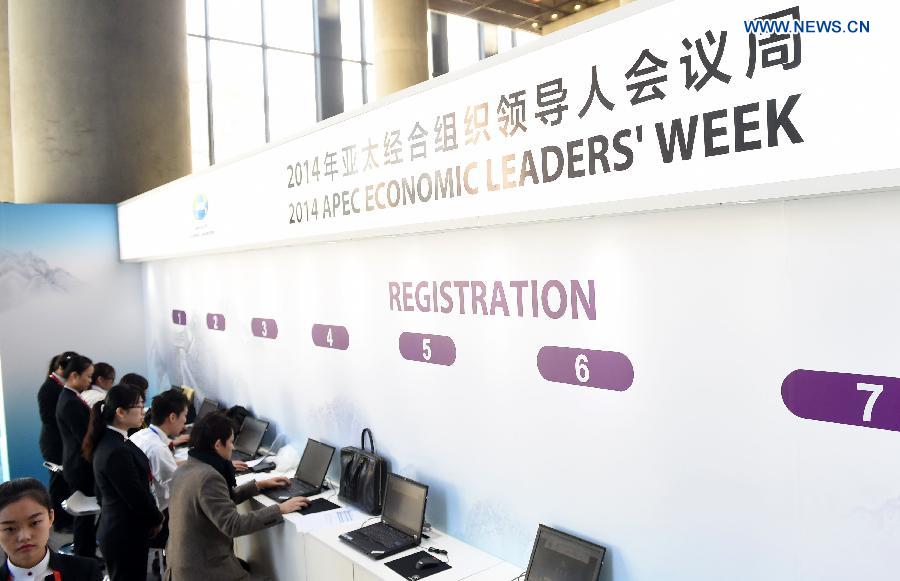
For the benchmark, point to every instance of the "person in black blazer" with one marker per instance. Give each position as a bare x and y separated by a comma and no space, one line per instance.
129,517
50,440
72,417
26,516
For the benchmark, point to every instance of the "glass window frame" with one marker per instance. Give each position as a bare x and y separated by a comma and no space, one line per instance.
364,60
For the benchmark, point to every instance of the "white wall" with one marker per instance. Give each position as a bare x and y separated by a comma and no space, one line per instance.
698,472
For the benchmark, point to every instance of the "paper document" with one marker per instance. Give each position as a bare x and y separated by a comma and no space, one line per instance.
80,504
325,519
253,463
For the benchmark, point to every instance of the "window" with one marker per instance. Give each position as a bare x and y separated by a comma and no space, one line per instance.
253,76
290,25
239,123
292,93
198,102
462,42
252,73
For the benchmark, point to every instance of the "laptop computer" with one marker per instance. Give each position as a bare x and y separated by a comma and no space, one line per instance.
208,406
248,440
310,473
558,556
401,520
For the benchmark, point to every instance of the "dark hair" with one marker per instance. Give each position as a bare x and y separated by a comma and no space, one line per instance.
61,360
104,370
210,429
53,365
77,364
168,402
16,490
103,413
138,381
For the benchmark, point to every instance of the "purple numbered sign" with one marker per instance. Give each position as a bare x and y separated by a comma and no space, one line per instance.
330,336
179,317
266,328
600,369
215,322
870,401
436,349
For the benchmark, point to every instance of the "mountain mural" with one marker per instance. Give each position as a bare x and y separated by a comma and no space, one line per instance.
24,276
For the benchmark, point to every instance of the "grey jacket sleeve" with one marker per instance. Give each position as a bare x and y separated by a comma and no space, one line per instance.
218,506
244,492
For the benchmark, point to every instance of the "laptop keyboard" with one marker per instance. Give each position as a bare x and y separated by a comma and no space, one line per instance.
298,489
385,535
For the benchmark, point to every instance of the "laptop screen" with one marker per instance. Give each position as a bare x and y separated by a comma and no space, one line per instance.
251,435
209,406
557,556
314,463
404,505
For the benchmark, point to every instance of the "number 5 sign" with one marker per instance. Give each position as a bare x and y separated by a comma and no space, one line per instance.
869,401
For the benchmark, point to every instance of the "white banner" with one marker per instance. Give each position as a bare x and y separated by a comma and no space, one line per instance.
654,105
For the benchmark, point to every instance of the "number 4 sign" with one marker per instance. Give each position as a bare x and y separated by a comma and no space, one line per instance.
330,336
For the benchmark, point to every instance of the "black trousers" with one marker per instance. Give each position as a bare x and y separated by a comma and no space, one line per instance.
59,491
126,557
85,533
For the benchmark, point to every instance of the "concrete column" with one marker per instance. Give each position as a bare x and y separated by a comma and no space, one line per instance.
401,44
99,98
6,166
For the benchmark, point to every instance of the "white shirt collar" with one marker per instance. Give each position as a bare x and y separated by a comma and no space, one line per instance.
98,388
115,429
159,432
38,572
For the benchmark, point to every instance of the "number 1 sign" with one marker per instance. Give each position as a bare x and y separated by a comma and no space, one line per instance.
870,401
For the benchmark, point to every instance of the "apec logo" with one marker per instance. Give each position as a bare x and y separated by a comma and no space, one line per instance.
201,207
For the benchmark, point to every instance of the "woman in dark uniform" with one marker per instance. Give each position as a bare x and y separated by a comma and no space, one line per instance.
128,514
25,520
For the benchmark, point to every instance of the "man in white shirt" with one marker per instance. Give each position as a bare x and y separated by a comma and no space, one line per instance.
168,415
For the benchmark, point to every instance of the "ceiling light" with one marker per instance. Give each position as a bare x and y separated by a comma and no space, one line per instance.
577,7
534,25
554,16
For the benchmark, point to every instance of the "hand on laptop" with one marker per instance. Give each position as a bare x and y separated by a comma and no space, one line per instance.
239,466
276,482
293,504
181,440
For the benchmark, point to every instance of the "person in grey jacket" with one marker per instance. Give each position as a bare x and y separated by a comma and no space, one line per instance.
203,516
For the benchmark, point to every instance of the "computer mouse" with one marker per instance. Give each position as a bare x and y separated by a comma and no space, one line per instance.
427,563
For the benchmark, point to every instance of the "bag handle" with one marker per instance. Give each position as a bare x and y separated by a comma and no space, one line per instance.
362,439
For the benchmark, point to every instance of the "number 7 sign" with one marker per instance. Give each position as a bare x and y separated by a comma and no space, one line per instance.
868,401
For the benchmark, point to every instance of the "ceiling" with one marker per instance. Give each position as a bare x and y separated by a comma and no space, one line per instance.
518,14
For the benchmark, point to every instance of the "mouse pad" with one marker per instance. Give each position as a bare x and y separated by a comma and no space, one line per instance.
406,566
319,505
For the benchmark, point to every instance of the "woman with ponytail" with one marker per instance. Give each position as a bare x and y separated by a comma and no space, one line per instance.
128,514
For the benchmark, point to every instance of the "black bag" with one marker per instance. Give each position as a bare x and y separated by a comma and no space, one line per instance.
363,476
